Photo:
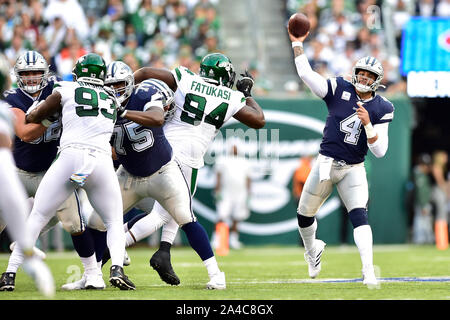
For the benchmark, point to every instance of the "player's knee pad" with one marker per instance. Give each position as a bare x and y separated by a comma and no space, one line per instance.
358,217
304,222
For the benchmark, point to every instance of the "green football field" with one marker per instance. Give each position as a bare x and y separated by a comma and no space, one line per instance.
263,273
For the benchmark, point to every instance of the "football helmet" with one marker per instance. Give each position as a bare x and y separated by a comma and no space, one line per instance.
31,61
217,68
169,97
118,71
90,68
372,65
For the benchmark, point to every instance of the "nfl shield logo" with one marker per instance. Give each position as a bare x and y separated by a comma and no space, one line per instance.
444,40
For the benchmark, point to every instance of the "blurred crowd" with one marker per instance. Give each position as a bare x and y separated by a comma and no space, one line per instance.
344,31
162,33
429,199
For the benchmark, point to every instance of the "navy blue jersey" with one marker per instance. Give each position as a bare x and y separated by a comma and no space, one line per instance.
344,137
38,155
141,150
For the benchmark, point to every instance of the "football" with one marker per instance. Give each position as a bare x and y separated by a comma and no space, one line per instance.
298,25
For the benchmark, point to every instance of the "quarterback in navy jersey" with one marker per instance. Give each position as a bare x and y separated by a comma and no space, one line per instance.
148,168
357,121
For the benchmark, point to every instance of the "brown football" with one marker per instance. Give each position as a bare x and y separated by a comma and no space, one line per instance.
298,24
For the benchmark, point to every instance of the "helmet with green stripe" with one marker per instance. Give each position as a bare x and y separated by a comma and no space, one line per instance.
217,68
90,68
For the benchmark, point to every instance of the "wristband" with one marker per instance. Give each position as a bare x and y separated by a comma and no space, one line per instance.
370,131
297,44
122,115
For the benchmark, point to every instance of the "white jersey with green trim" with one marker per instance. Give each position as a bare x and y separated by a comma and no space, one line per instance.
88,115
201,109
6,119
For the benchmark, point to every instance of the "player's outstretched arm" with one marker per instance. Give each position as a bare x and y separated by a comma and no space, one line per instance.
251,115
155,73
153,117
50,106
312,79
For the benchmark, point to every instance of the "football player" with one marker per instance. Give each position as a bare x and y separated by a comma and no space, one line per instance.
357,121
35,147
88,113
13,204
148,169
204,102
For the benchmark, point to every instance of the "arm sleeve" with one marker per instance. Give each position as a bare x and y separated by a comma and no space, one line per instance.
313,80
379,147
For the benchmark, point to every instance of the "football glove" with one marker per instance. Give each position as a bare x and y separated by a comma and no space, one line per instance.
245,84
121,111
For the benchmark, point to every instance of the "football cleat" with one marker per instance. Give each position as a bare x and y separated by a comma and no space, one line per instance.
369,278
7,281
217,282
314,260
119,280
160,262
94,281
77,285
41,275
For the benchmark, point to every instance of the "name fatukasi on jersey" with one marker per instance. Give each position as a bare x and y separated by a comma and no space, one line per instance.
210,90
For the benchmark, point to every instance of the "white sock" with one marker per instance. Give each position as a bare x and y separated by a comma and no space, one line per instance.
129,240
212,266
234,236
144,228
90,264
169,231
363,240
308,235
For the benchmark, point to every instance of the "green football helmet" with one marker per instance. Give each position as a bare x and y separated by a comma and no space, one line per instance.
218,69
90,68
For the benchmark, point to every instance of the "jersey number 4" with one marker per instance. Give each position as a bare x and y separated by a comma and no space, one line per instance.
351,126
194,108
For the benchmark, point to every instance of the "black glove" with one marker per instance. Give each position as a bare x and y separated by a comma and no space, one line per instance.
245,84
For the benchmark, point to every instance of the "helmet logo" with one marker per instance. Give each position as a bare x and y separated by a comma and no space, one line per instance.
225,65
211,72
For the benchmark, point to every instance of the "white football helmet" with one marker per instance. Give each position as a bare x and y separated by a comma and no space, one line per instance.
372,65
118,71
31,61
169,97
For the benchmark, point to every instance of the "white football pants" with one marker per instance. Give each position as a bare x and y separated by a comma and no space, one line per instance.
102,189
350,181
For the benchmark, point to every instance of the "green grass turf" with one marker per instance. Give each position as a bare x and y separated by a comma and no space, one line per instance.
258,273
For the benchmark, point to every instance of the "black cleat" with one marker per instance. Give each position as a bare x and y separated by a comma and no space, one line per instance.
160,261
119,280
7,281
